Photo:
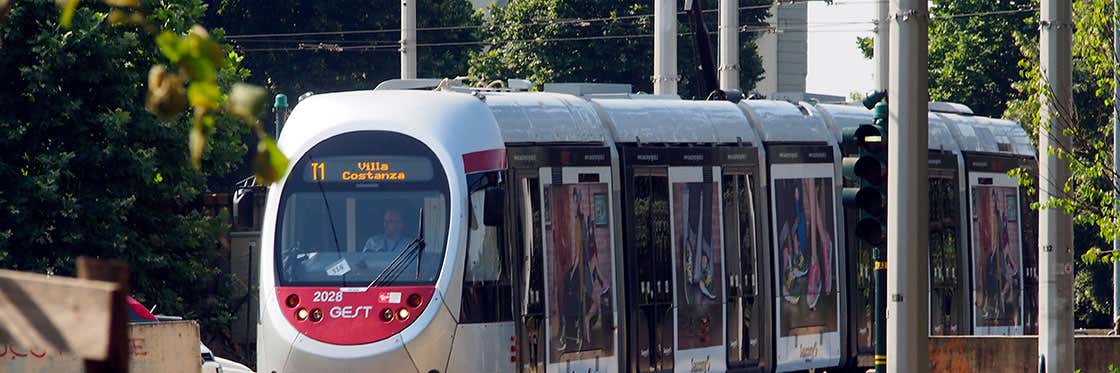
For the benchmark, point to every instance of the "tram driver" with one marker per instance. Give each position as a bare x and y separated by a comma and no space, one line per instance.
392,239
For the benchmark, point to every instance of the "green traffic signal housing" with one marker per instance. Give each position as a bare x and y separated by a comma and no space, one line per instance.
868,165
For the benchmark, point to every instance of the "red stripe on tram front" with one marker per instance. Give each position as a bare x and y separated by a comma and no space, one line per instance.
486,160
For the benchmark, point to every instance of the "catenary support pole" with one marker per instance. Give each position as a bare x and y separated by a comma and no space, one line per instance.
664,47
1055,227
907,189
882,45
729,44
408,39
1115,158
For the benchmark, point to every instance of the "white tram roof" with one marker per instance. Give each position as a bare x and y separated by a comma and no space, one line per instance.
453,122
539,117
781,121
988,135
844,116
668,119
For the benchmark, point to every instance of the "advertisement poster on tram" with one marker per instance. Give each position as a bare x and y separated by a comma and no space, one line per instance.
997,260
698,257
805,239
579,271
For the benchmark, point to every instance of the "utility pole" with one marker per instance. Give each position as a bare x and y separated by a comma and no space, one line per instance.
665,47
728,44
882,45
907,189
1115,160
1055,227
408,40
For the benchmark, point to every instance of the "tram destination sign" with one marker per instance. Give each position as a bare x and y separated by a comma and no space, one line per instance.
367,169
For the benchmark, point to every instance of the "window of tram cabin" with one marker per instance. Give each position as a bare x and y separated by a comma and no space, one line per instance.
347,212
487,295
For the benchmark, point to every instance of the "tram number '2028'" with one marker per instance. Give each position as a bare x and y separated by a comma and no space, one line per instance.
328,296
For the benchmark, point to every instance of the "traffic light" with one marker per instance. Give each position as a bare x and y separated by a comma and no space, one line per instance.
867,164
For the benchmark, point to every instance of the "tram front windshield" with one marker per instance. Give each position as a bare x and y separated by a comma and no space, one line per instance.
354,218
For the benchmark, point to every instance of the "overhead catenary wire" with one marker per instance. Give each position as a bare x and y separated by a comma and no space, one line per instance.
392,45
466,27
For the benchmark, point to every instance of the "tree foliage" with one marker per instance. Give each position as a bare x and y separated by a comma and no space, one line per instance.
973,57
366,59
548,41
1089,195
88,171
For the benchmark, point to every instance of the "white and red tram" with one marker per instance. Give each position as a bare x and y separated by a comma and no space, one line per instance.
468,231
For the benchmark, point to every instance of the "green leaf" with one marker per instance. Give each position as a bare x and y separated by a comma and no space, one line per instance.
204,95
269,164
169,46
68,8
123,3
200,69
201,45
247,101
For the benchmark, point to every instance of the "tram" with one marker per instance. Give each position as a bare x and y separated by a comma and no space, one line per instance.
467,230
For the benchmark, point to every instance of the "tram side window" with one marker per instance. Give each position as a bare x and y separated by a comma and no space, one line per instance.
486,285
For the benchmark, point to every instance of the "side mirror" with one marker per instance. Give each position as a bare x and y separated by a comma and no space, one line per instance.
494,203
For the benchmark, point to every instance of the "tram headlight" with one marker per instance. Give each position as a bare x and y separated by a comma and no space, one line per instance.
402,314
386,315
414,300
292,301
301,314
316,315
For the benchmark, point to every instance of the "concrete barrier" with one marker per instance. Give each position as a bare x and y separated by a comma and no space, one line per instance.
154,347
1093,354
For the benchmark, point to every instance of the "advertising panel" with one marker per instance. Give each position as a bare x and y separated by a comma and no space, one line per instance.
698,276
805,254
579,271
996,255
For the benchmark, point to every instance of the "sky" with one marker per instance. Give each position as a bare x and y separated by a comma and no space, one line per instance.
836,66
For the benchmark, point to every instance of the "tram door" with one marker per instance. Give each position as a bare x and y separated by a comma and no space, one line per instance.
653,324
576,269
531,334
743,308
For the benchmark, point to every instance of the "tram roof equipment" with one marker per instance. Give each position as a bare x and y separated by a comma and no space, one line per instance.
546,118
660,119
780,121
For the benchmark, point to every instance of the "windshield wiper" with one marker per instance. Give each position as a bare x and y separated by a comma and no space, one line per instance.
330,217
415,247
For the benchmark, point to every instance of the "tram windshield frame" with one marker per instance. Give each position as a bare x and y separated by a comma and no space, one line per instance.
336,230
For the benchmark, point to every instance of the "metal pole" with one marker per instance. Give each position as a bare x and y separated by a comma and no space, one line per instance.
729,44
664,47
882,45
880,310
408,40
1055,228
1115,157
907,189
280,112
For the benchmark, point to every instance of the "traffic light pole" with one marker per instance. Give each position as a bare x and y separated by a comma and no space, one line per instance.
907,189
880,310
1055,227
